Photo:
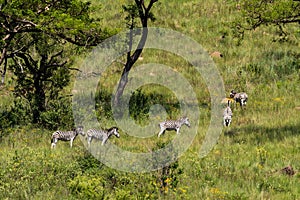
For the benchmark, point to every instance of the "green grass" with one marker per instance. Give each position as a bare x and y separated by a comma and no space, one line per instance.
246,162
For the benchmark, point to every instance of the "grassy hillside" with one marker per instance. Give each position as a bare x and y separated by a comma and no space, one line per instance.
246,162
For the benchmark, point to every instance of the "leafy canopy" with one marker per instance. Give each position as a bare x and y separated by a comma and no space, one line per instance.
257,13
37,42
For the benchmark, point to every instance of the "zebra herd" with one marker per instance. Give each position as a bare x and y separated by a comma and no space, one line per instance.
100,134
104,135
240,98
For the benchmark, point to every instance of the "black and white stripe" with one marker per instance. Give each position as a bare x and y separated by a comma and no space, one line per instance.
240,98
66,136
227,115
173,125
102,135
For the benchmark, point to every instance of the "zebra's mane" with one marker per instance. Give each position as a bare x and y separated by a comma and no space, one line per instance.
110,129
183,118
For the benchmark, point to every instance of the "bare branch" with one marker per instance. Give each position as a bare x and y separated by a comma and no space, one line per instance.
57,64
18,62
4,72
73,68
28,61
55,55
3,55
150,6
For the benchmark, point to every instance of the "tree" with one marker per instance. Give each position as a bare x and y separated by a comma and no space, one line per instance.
258,13
142,12
42,76
37,38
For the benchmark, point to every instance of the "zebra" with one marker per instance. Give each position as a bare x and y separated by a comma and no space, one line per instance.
103,135
66,136
240,98
173,125
227,115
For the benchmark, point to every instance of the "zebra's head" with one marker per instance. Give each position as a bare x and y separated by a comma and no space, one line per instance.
232,93
185,121
114,131
79,130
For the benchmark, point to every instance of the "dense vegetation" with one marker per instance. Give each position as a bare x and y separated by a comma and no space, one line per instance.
245,164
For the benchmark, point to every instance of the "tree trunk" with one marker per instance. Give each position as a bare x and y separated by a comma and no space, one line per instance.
144,15
131,59
39,100
122,84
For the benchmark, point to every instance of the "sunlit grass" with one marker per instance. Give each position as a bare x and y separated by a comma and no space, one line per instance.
246,162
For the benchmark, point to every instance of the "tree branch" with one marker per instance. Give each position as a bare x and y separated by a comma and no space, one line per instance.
28,61
55,55
4,72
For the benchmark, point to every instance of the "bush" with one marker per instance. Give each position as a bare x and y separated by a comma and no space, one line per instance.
88,187
18,113
58,114
27,172
140,103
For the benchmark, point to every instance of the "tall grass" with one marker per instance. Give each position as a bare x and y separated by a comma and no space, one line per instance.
246,162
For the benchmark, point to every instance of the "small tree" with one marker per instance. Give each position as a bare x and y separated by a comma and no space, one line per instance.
139,10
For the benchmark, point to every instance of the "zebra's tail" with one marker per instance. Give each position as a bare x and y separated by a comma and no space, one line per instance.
51,140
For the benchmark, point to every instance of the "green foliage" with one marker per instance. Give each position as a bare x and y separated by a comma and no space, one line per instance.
246,162
132,11
256,13
58,114
87,187
98,181
140,103
39,39
23,172
168,177
65,18
17,113
103,103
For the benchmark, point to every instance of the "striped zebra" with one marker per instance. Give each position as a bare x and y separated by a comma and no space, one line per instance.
240,98
103,135
173,125
227,115
66,136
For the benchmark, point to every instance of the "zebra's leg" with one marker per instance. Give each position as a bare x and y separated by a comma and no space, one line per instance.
71,142
241,102
162,130
89,140
104,141
53,143
244,102
177,130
